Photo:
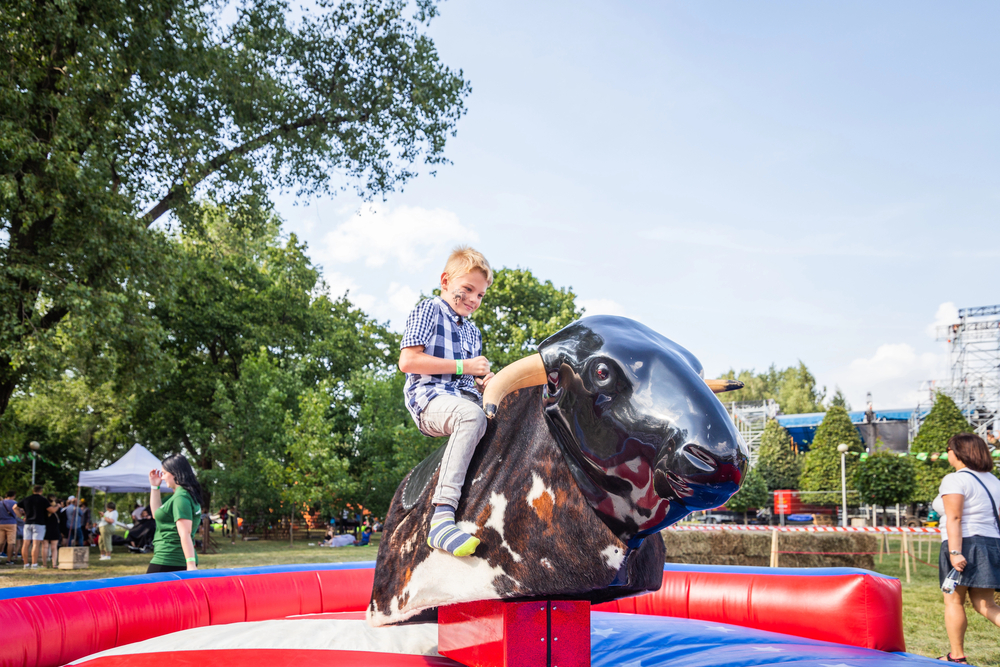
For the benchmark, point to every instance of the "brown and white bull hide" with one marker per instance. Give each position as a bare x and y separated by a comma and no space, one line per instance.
540,537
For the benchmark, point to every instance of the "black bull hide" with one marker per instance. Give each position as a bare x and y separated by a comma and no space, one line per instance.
623,439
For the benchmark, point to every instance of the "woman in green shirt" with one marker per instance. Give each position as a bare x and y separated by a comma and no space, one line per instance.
177,519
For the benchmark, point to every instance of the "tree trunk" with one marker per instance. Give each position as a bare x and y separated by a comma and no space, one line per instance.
236,519
291,528
8,381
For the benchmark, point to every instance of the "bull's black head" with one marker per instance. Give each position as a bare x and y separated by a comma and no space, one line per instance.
644,435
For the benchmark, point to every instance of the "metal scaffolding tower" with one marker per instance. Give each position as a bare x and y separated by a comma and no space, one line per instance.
974,354
750,418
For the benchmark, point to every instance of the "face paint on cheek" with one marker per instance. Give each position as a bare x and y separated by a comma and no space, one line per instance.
459,295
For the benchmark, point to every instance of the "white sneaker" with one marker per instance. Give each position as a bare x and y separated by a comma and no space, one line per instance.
34,566
105,557
27,567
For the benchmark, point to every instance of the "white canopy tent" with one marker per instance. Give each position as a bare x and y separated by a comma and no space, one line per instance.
129,474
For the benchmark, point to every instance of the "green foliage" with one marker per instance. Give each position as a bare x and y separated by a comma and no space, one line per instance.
380,440
838,399
753,494
928,476
943,421
778,464
113,114
520,311
821,468
794,388
885,478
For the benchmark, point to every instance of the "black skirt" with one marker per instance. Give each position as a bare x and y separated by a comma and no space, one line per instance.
52,528
983,567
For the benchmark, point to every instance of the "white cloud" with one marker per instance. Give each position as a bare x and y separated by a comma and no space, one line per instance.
408,237
402,298
338,284
601,307
893,375
947,313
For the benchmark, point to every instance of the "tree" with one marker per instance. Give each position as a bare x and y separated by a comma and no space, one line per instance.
942,422
377,437
838,399
794,388
247,443
520,311
753,494
885,478
821,468
113,114
243,294
778,462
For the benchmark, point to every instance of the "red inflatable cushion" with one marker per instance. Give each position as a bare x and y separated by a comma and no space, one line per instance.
868,609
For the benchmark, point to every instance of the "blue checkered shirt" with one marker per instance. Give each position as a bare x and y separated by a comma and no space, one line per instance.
444,334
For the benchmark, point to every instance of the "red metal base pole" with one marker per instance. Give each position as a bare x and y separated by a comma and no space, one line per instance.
493,633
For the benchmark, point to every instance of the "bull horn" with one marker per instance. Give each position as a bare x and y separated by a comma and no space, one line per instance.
527,372
719,386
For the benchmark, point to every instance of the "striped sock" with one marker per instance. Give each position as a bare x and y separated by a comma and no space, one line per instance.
445,535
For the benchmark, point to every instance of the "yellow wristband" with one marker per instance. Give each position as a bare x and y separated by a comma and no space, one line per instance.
458,367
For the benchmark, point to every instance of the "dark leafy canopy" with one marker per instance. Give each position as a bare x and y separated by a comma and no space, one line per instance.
943,421
821,469
243,292
113,113
778,462
794,388
885,478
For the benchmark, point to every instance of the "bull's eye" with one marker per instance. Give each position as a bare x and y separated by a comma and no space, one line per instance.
603,375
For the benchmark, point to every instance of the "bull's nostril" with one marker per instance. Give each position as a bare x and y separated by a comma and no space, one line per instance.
699,458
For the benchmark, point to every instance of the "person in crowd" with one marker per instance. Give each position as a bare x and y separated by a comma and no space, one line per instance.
74,522
107,530
224,517
137,512
50,547
8,526
20,534
36,509
178,518
967,503
63,523
365,538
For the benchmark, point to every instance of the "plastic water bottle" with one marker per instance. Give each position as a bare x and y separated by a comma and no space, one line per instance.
951,581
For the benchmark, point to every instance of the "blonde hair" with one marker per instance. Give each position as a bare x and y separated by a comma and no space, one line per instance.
464,259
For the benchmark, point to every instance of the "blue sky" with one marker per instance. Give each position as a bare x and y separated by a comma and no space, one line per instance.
762,182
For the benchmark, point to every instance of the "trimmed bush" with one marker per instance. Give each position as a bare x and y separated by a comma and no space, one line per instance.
734,547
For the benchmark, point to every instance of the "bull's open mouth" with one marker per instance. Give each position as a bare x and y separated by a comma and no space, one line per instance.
670,486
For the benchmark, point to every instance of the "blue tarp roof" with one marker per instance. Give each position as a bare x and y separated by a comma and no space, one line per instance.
813,419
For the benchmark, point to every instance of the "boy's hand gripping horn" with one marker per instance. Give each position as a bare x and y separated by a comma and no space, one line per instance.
526,372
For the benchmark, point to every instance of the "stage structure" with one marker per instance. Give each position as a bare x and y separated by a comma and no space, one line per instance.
974,381
750,418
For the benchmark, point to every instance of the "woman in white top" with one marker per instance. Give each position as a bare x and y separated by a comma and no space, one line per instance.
967,503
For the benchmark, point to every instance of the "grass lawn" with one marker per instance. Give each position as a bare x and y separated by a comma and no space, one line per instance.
241,554
923,614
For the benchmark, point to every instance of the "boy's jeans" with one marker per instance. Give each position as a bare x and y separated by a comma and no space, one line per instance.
465,422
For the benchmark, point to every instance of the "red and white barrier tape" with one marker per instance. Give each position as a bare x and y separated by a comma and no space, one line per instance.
813,529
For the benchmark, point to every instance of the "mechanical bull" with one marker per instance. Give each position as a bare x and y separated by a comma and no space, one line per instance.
605,437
